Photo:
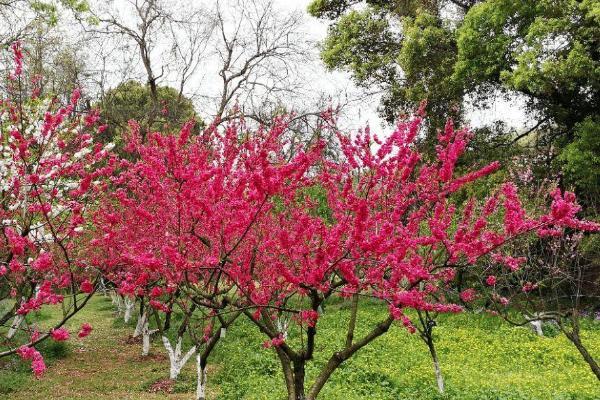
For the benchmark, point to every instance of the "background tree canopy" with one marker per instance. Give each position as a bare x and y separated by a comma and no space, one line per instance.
133,100
444,51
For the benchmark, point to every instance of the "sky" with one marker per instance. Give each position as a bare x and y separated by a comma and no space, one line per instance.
359,109
359,114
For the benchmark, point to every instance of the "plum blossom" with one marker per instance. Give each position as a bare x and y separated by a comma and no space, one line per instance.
85,330
60,334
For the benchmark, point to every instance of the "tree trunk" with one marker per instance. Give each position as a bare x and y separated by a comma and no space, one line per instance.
146,334
201,378
299,375
536,326
129,304
167,325
576,340
140,324
288,374
145,342
439,378
14,328
536,321
175,357
18,319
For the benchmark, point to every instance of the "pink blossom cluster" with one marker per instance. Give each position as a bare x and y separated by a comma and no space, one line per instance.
85,330
37,361
52,172
275,342
45,295
18,57
60,334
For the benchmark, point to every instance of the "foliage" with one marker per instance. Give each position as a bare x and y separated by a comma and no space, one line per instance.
543,49
50,10
21,18
443,51
485,359
132,101
582,158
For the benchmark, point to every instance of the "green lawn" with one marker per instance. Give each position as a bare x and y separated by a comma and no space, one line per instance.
481,357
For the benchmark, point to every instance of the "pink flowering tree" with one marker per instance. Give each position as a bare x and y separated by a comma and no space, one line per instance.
392,232
226,223
51,171
182,211
550,278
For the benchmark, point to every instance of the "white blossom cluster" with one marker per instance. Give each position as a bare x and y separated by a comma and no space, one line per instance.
45,151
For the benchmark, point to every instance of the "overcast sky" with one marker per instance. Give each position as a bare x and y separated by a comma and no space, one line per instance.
359,112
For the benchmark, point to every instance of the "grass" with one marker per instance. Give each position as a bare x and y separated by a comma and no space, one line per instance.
482,358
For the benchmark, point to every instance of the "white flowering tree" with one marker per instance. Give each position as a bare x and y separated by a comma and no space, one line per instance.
50,172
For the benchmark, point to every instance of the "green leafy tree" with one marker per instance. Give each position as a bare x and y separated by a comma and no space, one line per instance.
546,50
445,50
132,100
405,47
581,159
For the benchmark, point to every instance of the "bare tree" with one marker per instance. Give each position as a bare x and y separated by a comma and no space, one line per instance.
259,50
164,40
240,58
12,23
191,39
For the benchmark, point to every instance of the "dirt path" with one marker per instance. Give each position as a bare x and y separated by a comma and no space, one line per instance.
105,365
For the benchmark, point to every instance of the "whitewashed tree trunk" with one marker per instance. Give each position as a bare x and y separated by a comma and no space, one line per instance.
201,376
140,324
536,321
146,334
18,321
175,357
536,325
145,340
16,324
439,378
129,304
117,302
